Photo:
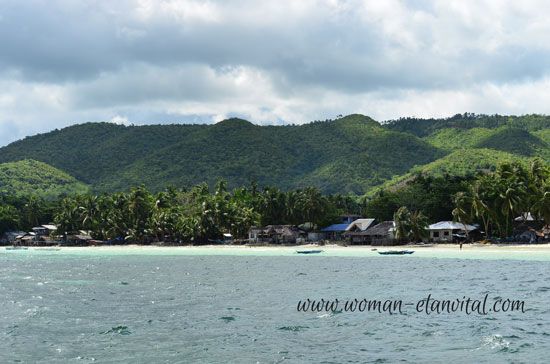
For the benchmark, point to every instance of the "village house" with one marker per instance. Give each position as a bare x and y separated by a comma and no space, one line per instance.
44,230
381,234
355,231
449,231
337,231
277,234
9,237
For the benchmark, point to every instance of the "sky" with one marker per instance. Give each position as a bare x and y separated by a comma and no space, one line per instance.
272,62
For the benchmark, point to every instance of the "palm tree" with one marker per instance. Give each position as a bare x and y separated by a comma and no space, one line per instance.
542,206
460,212
402,219
418,226
480,207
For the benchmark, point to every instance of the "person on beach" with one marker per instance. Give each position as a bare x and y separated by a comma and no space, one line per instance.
460,245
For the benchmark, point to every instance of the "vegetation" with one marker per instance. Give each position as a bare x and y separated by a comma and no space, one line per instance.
410,226
178,215
350,154
475,168
29,177
425,127
496,198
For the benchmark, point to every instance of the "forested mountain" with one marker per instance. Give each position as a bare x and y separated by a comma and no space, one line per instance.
350,154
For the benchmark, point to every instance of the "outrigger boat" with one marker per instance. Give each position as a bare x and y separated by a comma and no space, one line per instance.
309,251
17,248
396,252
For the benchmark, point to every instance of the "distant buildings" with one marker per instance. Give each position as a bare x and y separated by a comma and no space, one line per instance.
38,234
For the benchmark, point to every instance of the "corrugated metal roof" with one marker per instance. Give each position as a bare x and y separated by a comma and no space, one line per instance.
361,224
335,228
450,225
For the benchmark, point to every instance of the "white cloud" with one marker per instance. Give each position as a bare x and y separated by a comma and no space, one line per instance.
138,61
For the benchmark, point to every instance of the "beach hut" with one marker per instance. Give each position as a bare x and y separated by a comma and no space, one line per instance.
381,234
355,231
276,234
449,231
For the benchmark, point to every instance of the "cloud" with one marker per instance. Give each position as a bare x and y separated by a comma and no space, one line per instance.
148,61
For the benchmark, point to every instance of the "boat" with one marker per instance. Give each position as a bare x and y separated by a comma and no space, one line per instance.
396,252
52,249
17,248
309,251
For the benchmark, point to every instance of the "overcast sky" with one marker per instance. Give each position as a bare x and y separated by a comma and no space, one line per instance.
151,61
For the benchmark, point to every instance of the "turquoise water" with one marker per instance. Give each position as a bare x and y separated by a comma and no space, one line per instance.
195,305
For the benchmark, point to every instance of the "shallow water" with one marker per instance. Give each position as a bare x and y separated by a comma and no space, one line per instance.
111,306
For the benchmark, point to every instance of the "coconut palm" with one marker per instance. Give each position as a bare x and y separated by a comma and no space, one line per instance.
418,226
402,219
462,212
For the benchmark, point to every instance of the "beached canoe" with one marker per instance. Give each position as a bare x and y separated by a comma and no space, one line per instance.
396,252
309,251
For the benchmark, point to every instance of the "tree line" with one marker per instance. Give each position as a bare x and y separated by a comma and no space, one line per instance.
493,200
200,214
195,215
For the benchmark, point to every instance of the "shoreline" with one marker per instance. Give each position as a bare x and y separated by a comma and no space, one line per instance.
539,252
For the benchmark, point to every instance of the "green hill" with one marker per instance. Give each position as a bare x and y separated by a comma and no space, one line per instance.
460,163
28,177
350,154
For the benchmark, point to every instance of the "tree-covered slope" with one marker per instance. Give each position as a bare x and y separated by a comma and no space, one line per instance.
30,177
350,154
460,163
505,138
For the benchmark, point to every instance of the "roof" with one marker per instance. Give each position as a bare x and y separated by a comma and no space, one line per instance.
451,225
335,228
278,229
361,224
381,229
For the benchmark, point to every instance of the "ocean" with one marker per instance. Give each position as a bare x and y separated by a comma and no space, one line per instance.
228,306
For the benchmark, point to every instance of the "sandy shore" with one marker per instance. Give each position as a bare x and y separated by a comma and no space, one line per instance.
539,252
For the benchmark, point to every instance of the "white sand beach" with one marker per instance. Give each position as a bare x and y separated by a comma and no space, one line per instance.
468,251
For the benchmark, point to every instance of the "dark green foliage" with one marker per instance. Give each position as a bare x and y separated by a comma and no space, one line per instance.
496,198
350,154
513,140
196,215
429,194
425,127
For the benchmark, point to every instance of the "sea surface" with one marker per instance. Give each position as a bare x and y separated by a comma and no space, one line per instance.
117,306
